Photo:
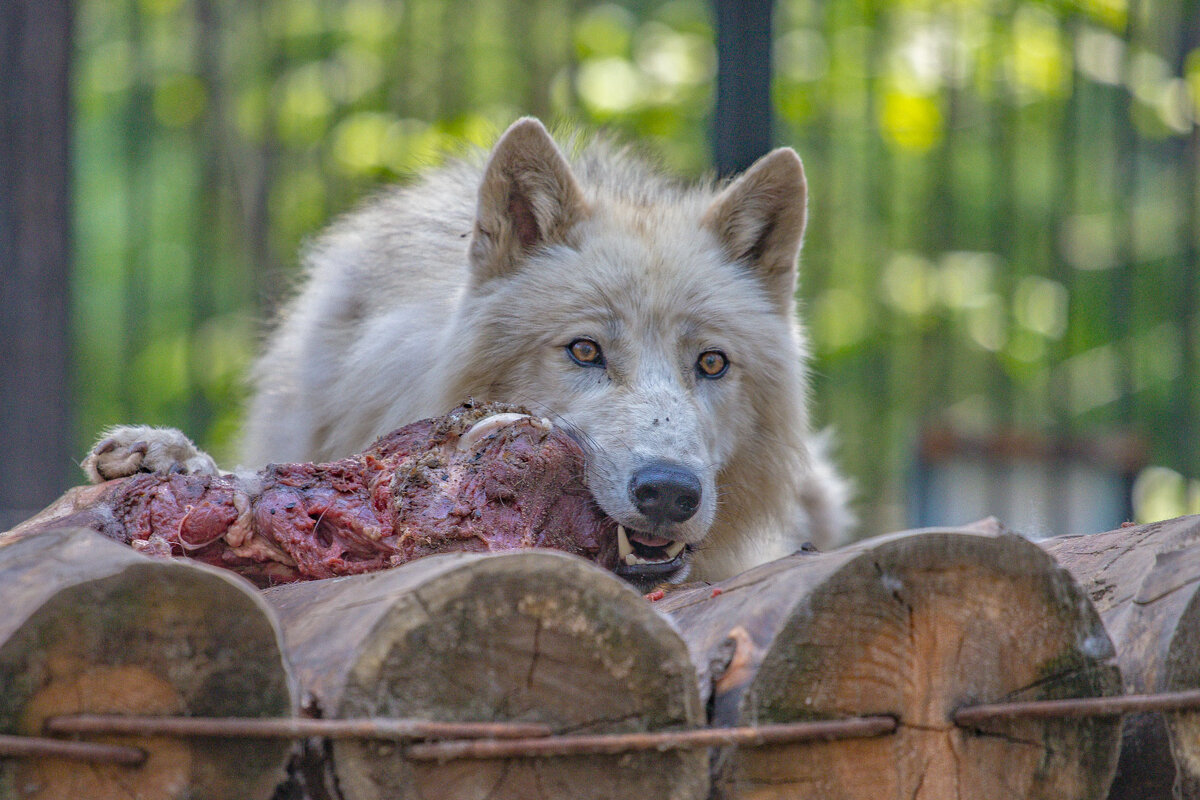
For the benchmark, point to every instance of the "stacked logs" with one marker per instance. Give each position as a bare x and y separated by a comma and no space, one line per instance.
639,699
535,637
912,626
91,626
532,637
1145,583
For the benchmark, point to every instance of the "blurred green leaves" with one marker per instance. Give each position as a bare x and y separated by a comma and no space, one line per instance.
968,215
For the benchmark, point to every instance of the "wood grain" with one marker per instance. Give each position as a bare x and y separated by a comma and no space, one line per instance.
911,625
90,626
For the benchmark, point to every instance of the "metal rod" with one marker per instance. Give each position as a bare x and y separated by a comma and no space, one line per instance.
487,740
35,747
289,728
1079,707
614,743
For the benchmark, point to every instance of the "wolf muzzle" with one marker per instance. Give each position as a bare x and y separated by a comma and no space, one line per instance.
665,493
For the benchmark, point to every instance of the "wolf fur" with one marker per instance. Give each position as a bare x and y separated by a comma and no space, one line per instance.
476,280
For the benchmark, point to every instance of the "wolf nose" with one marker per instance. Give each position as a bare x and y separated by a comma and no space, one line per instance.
665,492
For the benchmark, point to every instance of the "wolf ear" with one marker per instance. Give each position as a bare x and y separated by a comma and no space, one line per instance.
528,199
759,221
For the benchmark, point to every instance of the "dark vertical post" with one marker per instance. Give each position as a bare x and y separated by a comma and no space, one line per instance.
742,121
35,418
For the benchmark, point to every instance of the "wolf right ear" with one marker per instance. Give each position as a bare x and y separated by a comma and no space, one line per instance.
528,198
759,221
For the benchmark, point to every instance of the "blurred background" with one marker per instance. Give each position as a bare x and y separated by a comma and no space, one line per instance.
1000,274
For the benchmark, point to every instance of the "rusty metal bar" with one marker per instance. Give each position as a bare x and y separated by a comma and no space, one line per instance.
290,728
36,747
489,740
615,743
1079,707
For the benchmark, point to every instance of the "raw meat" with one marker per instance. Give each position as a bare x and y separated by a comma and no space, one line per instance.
483,478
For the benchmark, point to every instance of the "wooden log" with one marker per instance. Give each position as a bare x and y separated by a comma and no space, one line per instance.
533,636
1145,582
90,626
914,626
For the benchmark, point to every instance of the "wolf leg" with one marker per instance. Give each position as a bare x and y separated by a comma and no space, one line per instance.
127,449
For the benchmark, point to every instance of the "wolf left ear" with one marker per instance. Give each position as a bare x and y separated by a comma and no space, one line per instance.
759,221
529,198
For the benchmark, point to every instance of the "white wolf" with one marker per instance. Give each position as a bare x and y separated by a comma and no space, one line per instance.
655,322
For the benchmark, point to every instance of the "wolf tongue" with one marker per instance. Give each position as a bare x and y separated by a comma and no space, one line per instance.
648,541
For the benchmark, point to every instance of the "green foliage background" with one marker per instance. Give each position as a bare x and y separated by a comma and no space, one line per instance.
1003,206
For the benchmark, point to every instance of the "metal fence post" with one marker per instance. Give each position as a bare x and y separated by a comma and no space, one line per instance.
35,417
742,120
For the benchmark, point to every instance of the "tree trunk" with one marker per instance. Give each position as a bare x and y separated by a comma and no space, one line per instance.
914,626
1145,582
90,626
533,636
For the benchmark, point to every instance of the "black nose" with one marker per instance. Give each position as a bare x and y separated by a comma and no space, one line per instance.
665,492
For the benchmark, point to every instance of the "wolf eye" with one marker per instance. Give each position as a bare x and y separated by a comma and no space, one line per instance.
585,353
712,364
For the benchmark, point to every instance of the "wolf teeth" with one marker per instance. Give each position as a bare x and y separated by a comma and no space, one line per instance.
626,555
634,558
624,548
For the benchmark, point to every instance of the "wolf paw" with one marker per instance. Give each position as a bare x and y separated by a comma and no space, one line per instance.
127,449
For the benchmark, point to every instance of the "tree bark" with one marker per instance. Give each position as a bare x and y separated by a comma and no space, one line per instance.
534,636
1145,582
90,626
913,626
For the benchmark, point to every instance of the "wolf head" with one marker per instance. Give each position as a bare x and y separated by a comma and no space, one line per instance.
657,324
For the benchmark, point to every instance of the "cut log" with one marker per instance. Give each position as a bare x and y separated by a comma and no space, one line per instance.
90,626
1145,582
533,636
485,477
913,626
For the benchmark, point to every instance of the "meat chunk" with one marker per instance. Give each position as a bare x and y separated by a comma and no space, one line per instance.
483,478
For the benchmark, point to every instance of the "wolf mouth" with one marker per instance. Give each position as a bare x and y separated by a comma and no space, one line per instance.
642,558
640,555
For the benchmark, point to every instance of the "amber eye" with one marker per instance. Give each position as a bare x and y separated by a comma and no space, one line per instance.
712,364
586,353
